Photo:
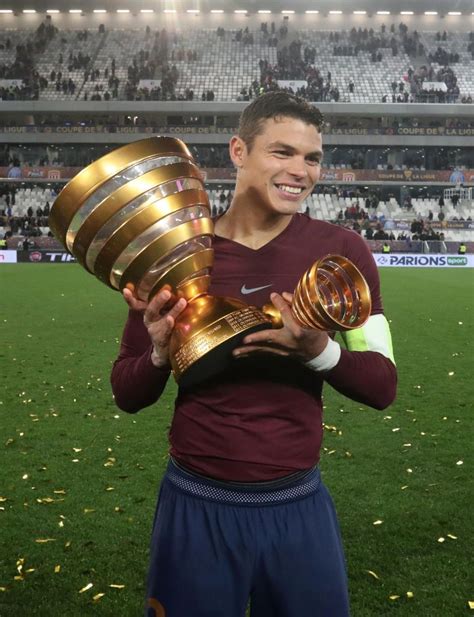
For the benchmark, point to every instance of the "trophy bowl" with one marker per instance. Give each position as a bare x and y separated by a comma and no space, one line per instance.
139,217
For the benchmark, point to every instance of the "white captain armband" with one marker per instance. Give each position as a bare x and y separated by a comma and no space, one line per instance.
327,359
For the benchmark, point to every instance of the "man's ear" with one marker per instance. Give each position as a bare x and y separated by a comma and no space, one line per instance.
237,150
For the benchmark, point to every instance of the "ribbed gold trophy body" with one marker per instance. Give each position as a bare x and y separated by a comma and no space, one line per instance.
332,295
139,217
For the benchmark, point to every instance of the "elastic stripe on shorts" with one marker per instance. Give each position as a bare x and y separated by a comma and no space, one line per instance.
247,495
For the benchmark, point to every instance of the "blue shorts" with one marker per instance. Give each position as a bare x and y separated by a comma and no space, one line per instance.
217,545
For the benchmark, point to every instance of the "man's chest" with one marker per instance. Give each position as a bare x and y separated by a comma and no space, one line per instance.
252,277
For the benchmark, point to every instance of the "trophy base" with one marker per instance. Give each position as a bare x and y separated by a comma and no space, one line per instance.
215,361
205,335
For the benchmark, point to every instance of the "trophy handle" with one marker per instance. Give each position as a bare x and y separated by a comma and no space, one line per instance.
331,295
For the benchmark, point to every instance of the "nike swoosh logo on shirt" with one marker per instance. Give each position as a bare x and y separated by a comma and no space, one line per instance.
252,290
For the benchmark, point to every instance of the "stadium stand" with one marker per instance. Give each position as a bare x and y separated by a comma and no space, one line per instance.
385,65
26,221
202,61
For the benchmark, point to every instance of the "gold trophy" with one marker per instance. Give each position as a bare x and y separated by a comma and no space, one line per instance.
139,217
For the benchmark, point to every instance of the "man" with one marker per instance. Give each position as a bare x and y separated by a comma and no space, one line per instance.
15,170
242,511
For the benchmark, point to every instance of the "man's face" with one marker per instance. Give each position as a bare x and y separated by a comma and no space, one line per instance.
282,166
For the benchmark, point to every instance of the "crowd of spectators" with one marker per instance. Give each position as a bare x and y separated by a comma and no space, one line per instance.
151,65
347,121
295,61
29,226
216,156
441,56
425,73
23,65
361,216
372,227
368,40
291,66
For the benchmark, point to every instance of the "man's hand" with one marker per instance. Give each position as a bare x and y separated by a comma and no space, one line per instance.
159,317
291,340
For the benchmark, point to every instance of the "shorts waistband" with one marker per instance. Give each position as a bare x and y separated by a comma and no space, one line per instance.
265,493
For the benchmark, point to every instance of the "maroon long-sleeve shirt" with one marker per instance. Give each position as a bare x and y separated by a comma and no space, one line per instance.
262,418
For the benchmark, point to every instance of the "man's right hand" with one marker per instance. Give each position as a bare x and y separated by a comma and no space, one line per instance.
159,317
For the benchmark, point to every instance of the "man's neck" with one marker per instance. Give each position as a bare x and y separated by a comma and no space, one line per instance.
248,225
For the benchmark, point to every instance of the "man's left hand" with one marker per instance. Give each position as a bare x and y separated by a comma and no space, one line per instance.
290,340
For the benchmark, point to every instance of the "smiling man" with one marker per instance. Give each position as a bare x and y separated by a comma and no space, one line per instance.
242,512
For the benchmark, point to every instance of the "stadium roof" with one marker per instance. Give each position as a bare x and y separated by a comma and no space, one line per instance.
442,7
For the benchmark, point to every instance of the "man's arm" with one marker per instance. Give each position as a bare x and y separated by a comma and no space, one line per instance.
140,373
365,371
136,381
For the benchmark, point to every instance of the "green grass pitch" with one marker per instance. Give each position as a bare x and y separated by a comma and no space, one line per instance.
79,478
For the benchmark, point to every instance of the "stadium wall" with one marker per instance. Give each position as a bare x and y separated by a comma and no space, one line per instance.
399,260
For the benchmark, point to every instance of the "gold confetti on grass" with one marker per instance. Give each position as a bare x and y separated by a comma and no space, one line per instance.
410,594
86,588
451,373
460,463
377,522
57,569
88,510
441,540
471,604
98,596
450,535
3,589
44,540
372,573
47,500
116,586
393,597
